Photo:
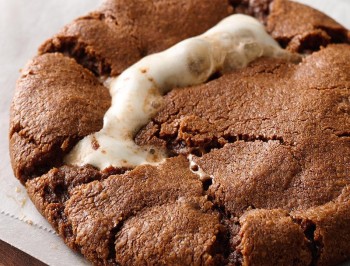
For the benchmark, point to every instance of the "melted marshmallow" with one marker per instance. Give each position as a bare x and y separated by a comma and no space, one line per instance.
137,92
196,169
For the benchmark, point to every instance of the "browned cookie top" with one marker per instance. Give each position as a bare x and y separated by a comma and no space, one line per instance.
273,140
56,103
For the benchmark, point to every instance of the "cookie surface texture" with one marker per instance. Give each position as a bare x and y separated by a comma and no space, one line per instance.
258,167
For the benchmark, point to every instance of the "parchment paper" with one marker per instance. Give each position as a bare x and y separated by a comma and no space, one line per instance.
24,25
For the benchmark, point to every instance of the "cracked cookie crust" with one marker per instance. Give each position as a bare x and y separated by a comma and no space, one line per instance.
271,139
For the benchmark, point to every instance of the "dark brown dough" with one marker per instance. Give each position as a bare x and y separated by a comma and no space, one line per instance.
57,102
273,140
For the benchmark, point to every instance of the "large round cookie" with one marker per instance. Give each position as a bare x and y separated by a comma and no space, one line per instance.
274,138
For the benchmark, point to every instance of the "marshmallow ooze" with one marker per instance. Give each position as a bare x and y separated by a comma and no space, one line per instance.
137,92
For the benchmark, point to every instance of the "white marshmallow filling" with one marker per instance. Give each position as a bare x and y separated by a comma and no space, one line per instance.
137,92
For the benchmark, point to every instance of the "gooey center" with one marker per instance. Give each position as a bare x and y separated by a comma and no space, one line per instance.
137,92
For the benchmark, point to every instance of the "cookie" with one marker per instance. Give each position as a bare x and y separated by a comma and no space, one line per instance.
252,163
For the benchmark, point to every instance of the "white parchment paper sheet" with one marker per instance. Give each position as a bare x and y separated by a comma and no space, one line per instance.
24,25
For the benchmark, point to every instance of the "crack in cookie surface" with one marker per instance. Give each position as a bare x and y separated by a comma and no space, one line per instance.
112,38
319,225
51,113
307,31
117,198
136,94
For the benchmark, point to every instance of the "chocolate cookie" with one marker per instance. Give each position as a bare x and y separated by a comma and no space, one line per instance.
258,158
